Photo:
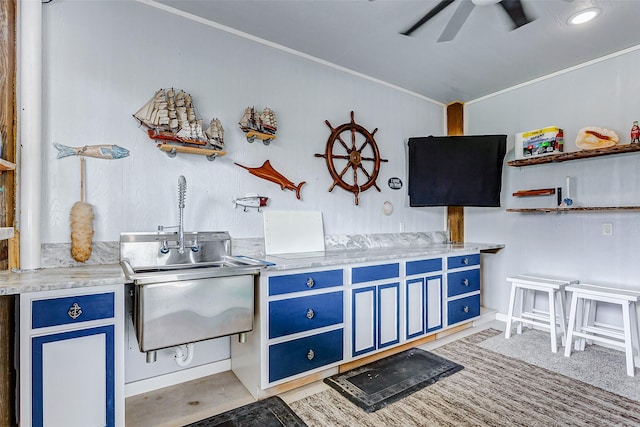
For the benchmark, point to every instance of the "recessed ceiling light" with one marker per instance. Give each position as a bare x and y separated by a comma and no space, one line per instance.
584,16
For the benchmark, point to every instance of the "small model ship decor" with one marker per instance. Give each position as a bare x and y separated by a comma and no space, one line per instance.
361,148
266,171
170,118
262,126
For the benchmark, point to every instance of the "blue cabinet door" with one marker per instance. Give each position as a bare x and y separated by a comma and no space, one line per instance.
73,378
375,318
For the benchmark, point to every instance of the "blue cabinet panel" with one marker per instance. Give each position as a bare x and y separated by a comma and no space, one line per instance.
366,329
37,343
463,261
417,314
375,272
463,309
384,304
304,354
434,307
462,282
285,284
424,266
305,313
60,311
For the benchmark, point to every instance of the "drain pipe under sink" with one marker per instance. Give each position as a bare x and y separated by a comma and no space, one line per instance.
181,358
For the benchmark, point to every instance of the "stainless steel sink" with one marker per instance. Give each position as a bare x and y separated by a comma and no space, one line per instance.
200,293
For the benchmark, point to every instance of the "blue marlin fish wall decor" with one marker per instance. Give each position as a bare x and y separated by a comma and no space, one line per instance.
97,151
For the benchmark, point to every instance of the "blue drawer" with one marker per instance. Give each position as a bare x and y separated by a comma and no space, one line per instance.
462,282
463,309
304,354
279,285
305,313
374,272
423,266
463,261
77,309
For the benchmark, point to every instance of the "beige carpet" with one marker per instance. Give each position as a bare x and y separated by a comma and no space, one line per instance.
492,390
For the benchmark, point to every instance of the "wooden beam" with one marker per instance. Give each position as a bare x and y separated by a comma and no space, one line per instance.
455,214
7,201
455,119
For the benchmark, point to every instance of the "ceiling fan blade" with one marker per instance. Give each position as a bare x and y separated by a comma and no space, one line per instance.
433,12
516,12
457,20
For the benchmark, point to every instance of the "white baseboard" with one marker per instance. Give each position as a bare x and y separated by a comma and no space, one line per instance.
173,378
501,317
486,315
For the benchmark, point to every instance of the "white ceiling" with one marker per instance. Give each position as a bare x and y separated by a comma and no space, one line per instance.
485,56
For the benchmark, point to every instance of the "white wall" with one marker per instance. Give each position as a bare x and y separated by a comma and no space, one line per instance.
605,94
104,59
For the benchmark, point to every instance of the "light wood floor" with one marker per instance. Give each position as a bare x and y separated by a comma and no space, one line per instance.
198,399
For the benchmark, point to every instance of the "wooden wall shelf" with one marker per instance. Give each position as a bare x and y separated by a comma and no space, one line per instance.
576,209
576,155
6,166
535,193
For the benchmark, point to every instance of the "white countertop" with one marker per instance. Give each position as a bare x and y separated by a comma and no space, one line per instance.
12,283
60,278
354,256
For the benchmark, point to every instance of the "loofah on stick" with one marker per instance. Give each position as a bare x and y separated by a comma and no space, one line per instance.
81,231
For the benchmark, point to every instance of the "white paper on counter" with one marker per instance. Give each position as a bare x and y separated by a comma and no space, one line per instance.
293,232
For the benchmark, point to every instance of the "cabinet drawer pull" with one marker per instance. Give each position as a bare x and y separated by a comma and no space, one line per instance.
466,309
310,282
465,282
310,354
310,314
74,311
465,261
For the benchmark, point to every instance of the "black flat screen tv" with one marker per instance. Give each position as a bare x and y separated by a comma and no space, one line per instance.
456,170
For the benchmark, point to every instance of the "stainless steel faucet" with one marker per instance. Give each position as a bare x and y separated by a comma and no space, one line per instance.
182,191
180,244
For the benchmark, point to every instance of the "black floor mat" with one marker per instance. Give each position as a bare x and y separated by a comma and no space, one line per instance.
388,380
270,412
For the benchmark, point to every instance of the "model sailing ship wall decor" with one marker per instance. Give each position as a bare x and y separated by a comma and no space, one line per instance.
171,119
262,126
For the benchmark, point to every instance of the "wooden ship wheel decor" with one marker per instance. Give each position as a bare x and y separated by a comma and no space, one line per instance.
352,157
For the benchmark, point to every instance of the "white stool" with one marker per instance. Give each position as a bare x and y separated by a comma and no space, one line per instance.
528,314
582,320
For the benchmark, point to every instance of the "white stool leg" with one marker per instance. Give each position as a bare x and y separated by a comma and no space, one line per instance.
552,321
571,324
523,298
579,344
528,302
635,334
512,303
561,316
628,344
591,311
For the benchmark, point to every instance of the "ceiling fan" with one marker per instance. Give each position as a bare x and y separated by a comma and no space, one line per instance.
514,9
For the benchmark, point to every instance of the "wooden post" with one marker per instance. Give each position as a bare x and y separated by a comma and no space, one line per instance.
455,214
7,208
